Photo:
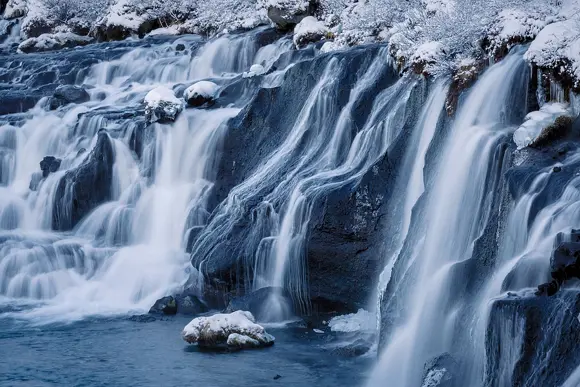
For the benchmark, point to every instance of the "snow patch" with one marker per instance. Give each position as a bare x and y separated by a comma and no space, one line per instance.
355,322
15,8
426,55
172,30
536,121
434,377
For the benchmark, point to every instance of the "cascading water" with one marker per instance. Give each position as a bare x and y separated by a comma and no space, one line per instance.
455,216
130,250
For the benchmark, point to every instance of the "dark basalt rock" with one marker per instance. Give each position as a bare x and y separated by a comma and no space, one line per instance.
441,371
180,47
84,188
562,128
67,94
184,304
48,165
165,305
533,341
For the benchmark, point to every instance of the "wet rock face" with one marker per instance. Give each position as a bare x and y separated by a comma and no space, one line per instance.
339,251
286,14
533,341
67,94
441,371
48,165
82,189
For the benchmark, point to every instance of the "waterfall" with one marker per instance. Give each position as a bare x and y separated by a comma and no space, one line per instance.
457,208
129,250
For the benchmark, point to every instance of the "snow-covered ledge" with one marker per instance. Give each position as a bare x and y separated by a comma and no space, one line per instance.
235,330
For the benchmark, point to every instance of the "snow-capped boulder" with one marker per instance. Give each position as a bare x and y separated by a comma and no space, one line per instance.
557,48
309,30
50,42
255,70
287,13
15,8
537,122
161,105
237,330
329,47
202,93
427,55
66,94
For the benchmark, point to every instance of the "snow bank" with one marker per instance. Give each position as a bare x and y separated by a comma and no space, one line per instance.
356,322
237,329
536,121
161,104
57,41
557,47
201,93
426,55
309,30
513,26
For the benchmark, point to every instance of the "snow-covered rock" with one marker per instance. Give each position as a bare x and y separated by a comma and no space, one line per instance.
162,105
427,55
309,30
355,322
49,42
15,8
287,13
513,26
255,70
201,93
330,46
537,121
237,329
557,47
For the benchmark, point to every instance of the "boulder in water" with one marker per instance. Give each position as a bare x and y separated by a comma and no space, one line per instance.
255,70
165,305
49,164
200,94
85,187
51,42
237,330
66,94
161,105
440,372
309,30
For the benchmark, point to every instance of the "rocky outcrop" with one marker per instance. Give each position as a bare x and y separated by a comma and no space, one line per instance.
48,165
83,188
285,14
441,371
237,330
67,94
533,341
51,42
